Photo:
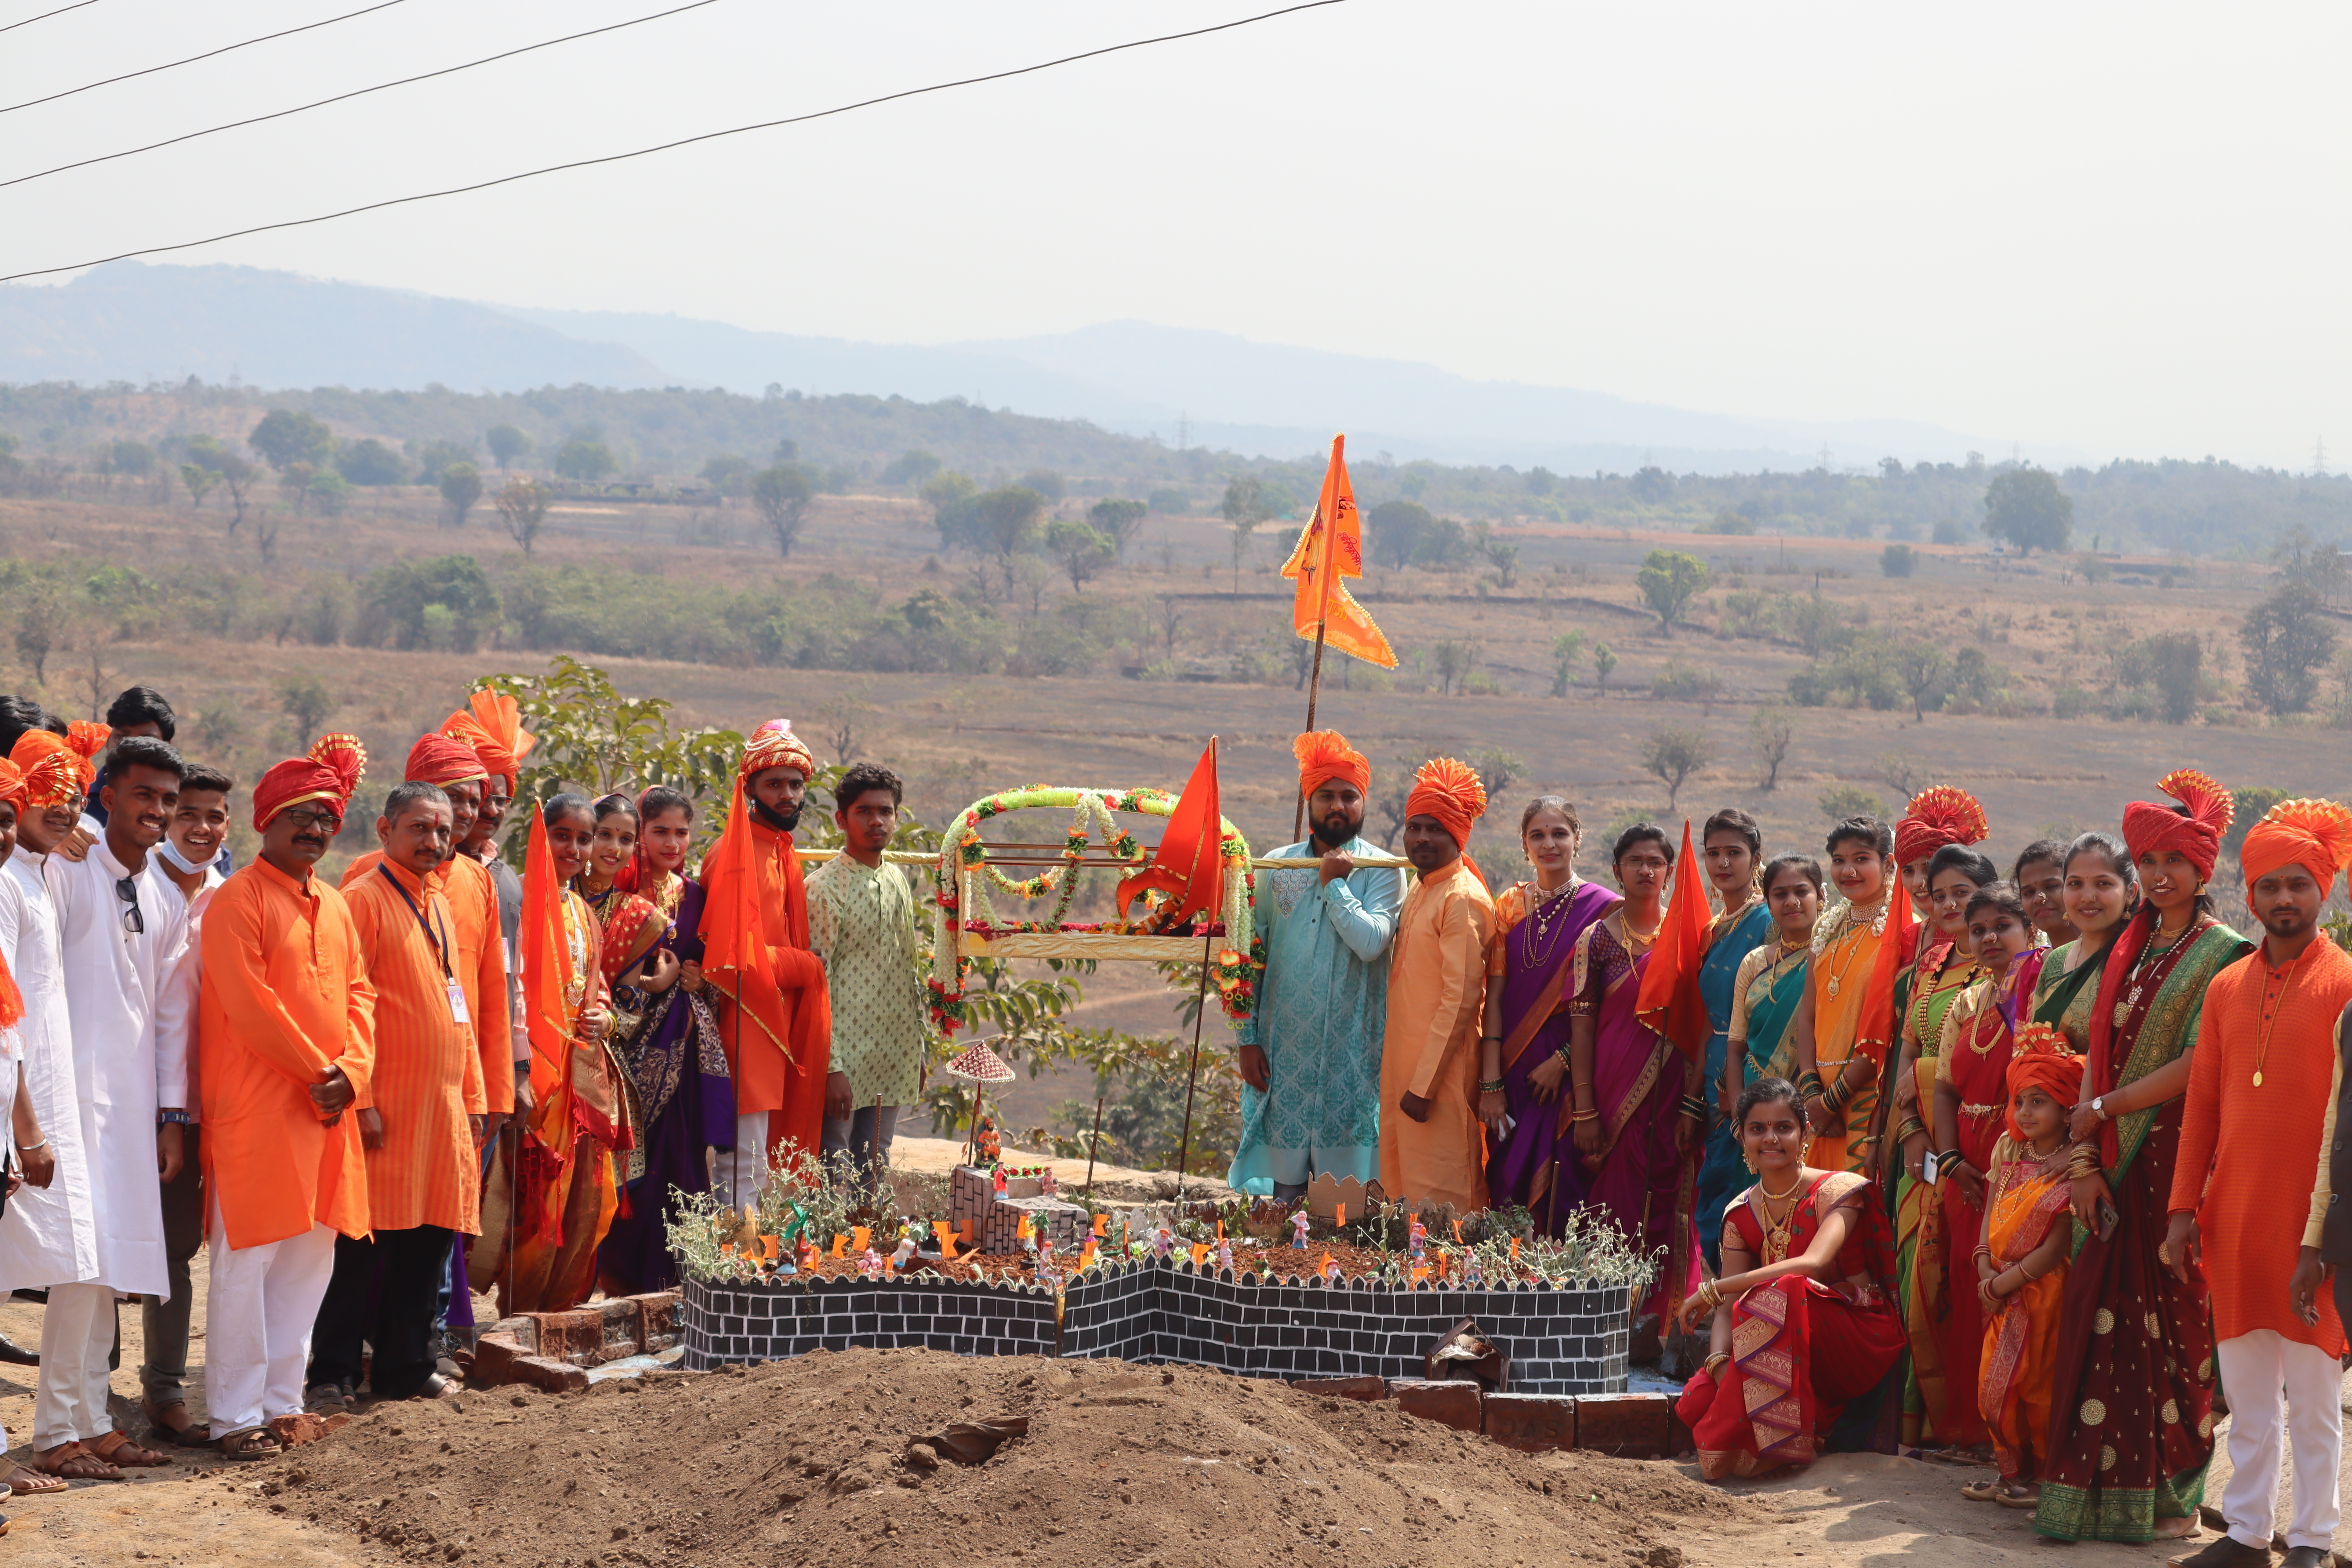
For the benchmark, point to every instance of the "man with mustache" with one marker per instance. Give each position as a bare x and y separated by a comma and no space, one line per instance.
1310,1053
123,928
286,1042
773,1014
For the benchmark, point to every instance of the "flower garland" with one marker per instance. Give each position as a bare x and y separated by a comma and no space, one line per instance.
1233,969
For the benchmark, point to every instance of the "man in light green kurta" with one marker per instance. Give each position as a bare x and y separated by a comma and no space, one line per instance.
862,926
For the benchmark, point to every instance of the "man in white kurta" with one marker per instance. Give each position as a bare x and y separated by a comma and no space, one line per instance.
123,930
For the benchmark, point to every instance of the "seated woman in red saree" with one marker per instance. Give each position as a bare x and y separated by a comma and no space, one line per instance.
1802,1321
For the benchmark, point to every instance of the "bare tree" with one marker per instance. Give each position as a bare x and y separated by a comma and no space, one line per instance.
307,702
45,619
1671,756
1454,662
1171,619
522,506
1898,771
1772,732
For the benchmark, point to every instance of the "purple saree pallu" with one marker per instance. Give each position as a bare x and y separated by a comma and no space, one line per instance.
1537,1167
685,1103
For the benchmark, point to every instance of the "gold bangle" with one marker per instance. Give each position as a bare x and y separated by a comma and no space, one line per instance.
1716,1360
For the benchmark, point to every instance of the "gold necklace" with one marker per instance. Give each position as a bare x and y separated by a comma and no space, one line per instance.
1776,1231
1836,975
1634,941
2270,1016
2136,977
1773,972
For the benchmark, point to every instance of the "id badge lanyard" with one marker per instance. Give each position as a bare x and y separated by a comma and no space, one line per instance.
440,947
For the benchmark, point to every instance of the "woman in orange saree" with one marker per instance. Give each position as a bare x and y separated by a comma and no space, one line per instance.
1801,1324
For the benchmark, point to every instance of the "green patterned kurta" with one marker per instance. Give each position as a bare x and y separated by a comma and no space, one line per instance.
862,925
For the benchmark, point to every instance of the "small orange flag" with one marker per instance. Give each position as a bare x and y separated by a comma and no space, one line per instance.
946,1234
861,1236
546,959
1457,1232
1199,1254
1331,548
1188,865
1669,1002
1102,1224
1021,1228
1342,1218
1874,1025
840,1244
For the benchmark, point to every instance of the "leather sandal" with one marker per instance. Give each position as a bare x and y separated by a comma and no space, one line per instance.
72,1462
191,1435
25,1482
246,1444
119,1448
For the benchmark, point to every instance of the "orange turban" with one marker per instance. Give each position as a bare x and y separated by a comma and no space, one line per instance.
491,723
1325,755
2039,1059
773,745
52,768
12,783
1449,791
2149,828
1938,816
86,739
445,760
2313,833
329,772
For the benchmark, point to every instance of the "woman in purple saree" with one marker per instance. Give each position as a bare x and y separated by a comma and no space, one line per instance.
1534,1164
1633,1113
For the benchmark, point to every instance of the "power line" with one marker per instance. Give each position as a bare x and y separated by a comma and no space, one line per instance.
208,54
45,16
357,92
682,142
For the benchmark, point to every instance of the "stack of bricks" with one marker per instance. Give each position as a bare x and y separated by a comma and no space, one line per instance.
553,1350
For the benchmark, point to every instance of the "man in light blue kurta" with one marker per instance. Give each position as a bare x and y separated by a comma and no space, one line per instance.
1311,1050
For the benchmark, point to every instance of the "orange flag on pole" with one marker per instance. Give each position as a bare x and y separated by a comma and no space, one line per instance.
1669,1001
1186,864
546,959
1331,548
1875,1026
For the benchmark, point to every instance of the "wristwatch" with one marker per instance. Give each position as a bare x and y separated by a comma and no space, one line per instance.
2099,1107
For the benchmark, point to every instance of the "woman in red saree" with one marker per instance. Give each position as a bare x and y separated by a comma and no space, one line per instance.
1631,1112
1803,1322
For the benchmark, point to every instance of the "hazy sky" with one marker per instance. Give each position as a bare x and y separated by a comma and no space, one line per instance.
2116,228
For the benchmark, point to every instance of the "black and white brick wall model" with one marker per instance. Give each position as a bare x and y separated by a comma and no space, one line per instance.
1564,1342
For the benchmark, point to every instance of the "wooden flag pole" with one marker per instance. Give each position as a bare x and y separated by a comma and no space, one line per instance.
1093,1144
1192,1076
1314,687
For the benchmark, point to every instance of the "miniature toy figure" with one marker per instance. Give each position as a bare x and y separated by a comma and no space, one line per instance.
1298,1224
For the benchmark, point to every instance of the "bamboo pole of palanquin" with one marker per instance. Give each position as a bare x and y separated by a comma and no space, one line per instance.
1261,862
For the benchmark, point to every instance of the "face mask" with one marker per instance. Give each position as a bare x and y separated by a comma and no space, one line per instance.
180,863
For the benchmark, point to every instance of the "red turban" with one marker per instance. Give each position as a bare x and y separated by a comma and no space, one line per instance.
491,723
445,760
1325,755
52,769
2313,833
1938,816
1449,791
330,772
2039,1059
773,745
2149,829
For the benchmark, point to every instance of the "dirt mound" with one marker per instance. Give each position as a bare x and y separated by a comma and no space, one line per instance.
812,1462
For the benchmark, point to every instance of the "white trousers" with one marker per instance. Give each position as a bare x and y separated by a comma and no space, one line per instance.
77,1338
257,1317
2277,1386
742,1171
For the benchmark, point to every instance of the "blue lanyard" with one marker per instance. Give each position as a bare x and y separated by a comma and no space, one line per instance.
438,941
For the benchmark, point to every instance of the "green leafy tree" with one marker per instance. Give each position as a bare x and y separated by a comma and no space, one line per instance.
727,473
1920,667
307,704
1045,482
237,474
1567,653
404,598
1118,520
1897,561
1244,508
461,487
1455,660
914,467
2171,665
46,613
1770,734
1671,756
951,495
200,481
506,443
782,494
593,739
370,462
522,507
1393,531
2249,804
1082,551
1652,486
1005,523
2288,641
2025,508
1669,580
286,437
1501,556
1604,659
584,458
436,458
1840,803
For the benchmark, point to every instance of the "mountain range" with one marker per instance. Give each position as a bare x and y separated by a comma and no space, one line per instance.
131,321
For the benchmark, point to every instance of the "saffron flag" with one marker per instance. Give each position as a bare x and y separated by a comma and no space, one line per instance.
546,959
1331,548
1186,864
1874,1025
1669,1001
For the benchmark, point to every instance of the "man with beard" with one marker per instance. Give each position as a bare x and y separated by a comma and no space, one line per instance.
285,1034
2257,1089
774,1016
1310,1052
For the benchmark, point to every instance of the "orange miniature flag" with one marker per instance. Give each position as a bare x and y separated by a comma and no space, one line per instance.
1086,1258
1515,1249
1330,549
1342,1217
1021,1228
1669,1003
1874,1025
1324,1267
546,961
1187,864
1457,1232
946,1234
770,1248
1420,1272
861,1236
1102,1224
1199,1254
1220,1231
840,1244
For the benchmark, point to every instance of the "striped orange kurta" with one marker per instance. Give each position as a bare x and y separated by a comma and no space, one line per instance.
480,962
285,997
428,1080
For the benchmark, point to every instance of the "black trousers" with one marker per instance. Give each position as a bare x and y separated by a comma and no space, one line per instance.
383,1293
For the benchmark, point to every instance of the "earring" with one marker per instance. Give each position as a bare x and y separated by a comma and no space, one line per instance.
1747,1159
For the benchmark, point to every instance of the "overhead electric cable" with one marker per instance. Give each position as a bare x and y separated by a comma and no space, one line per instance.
45,16
356,92
682,142
192,59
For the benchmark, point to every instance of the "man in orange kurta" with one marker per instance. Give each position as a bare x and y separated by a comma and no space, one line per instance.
421,1120
1432,1145
285,1040
773,1018
2258,1086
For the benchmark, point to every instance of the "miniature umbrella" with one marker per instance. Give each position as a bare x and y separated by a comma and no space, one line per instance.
980,1065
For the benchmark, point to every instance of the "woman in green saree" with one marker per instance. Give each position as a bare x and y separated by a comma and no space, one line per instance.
2101,890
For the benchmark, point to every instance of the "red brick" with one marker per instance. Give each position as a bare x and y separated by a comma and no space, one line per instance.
1533,1422
494,1360
553,1377
1365,1388
1630,1425
1455,1404
655,1324
563,1335
297,1429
